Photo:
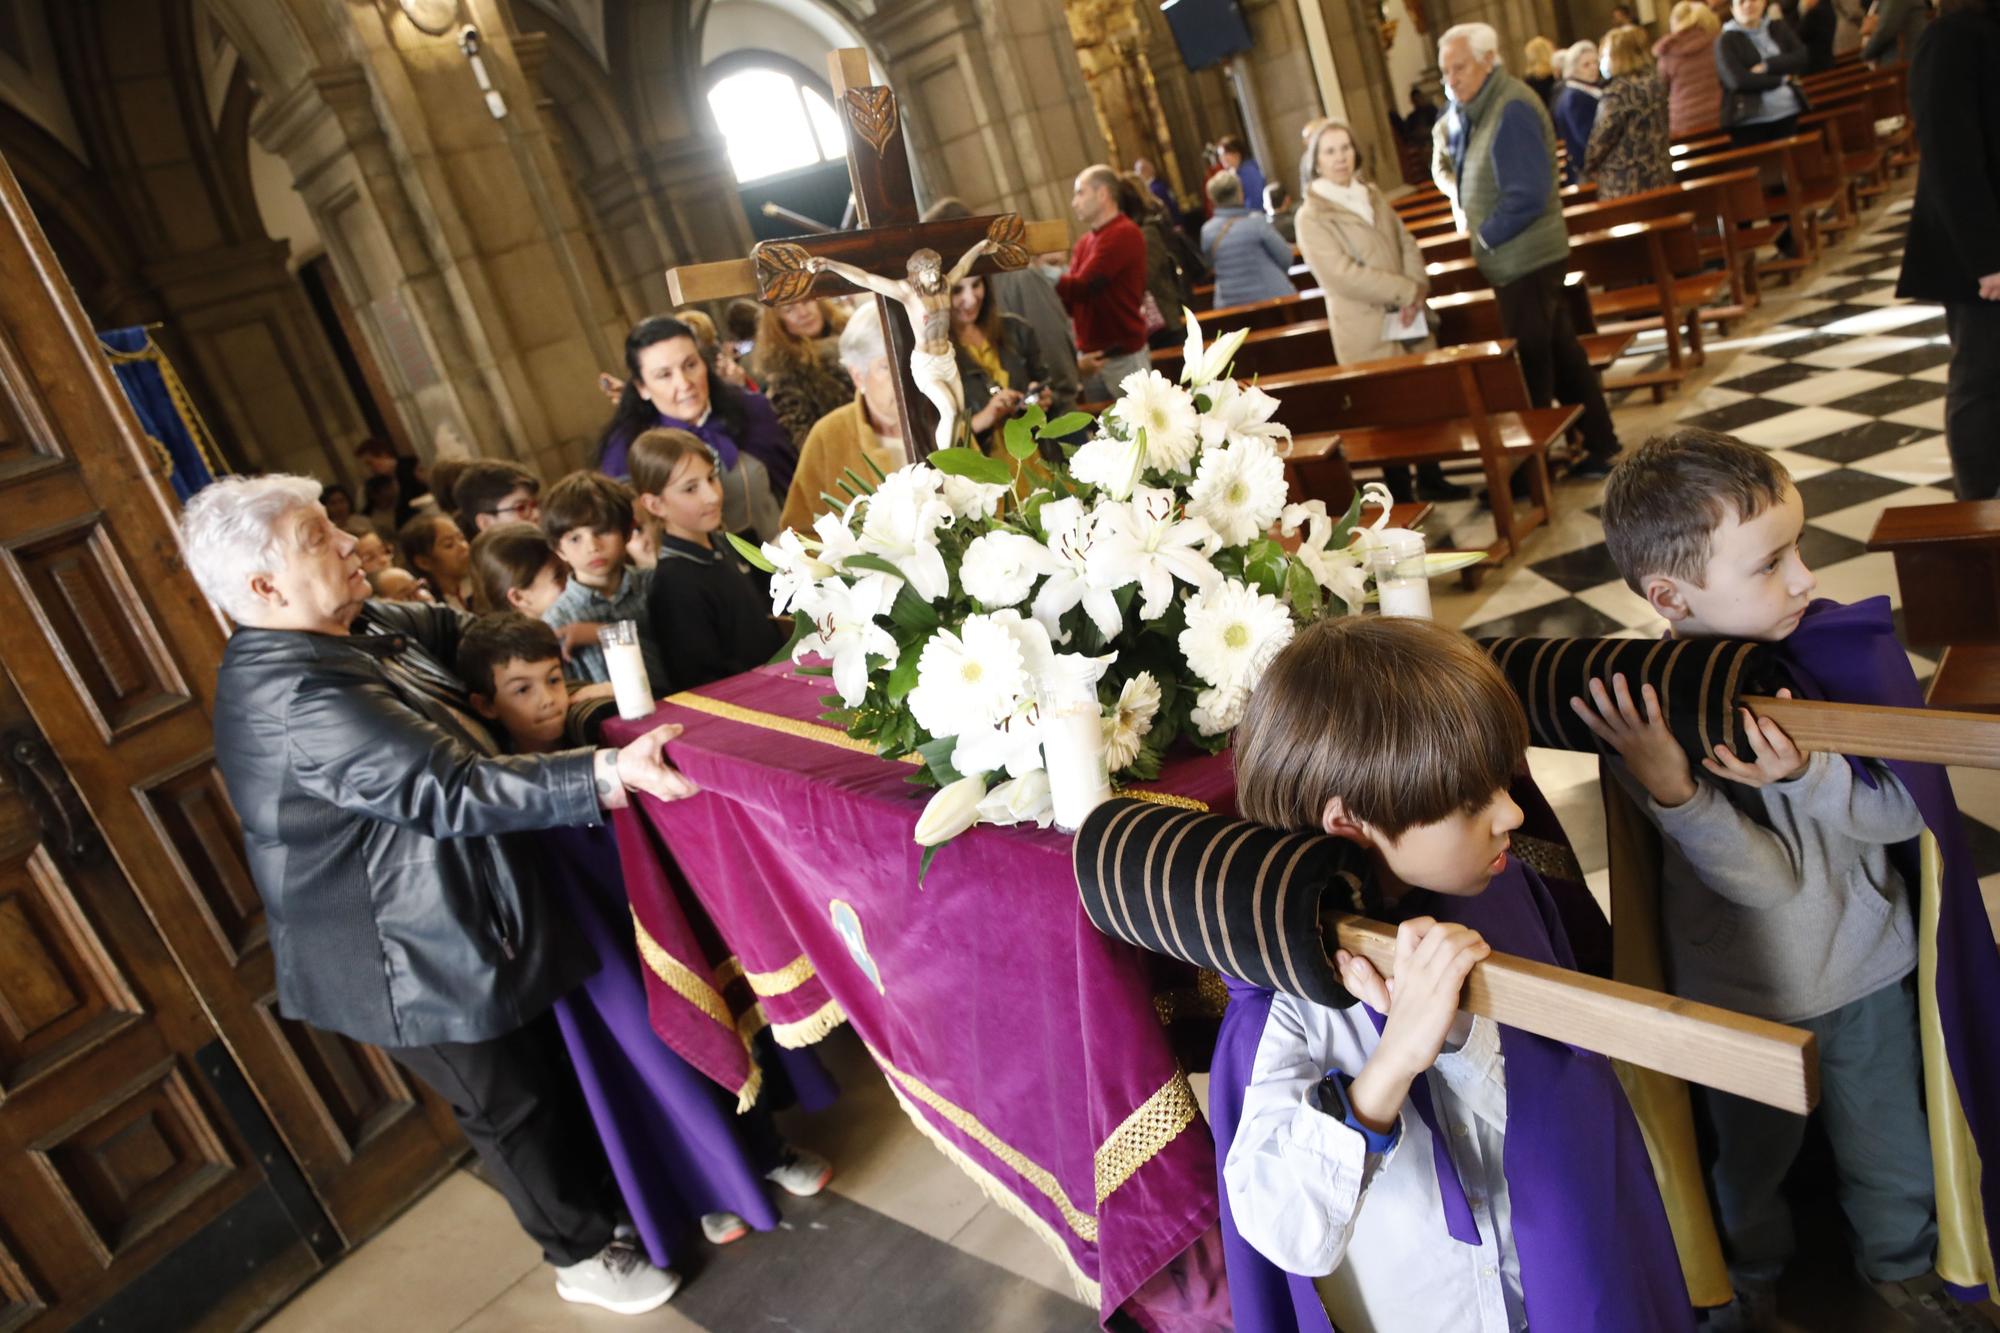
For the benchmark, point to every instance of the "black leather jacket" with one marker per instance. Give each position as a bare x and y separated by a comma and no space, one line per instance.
374,815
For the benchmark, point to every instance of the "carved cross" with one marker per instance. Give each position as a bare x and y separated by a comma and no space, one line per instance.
878,164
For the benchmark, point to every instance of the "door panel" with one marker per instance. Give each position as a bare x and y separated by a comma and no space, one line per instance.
114,652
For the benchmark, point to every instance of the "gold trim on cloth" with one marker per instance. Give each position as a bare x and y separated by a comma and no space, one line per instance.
1551,859
790,726
786,979
1964,1252
1082,1223
1087,1290
1207,998
813,1027
685,982
1157,1122
1168,798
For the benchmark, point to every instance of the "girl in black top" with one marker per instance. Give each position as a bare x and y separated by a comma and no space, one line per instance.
708,617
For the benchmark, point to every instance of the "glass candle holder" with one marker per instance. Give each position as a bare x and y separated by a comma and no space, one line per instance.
1072,730
1402,585
627,666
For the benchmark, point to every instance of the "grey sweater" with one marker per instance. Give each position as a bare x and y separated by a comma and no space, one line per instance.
1780,901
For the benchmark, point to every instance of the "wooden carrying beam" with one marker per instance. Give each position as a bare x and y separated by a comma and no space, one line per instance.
1763,1061
691,283
1867,731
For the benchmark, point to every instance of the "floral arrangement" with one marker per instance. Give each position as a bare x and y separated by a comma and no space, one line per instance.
940,594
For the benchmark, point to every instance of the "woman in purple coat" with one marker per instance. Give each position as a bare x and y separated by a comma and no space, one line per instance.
671,383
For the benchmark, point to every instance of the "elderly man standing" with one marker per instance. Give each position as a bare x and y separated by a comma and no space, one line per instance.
375,813
1106,284
1494,153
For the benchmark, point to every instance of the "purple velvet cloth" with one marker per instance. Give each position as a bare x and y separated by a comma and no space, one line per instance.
666,1129
1850,654
1595,1248
1011,1028
763,437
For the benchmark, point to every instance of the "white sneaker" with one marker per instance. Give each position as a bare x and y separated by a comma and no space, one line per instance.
802,1173
722,1228
617,1278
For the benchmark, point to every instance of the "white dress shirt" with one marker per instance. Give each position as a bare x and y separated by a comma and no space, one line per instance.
1370,1229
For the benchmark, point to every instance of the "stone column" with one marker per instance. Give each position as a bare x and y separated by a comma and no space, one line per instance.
1364,84
993,101
1278,77
456,237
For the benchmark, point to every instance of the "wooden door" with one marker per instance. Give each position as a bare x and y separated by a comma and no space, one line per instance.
113,651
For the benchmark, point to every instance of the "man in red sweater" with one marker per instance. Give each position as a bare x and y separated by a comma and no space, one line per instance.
1105,285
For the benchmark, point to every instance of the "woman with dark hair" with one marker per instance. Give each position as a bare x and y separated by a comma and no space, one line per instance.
670,383
1234,156
999,358
1172,263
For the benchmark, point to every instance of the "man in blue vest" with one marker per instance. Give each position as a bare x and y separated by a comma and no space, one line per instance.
1494,153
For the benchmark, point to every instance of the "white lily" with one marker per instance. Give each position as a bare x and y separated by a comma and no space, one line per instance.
899,522
1019,801
1201,366
972,499
1012,745
1147,541
953,810
798,566
843,616
1071,534
1238,412
1340,571
1110,464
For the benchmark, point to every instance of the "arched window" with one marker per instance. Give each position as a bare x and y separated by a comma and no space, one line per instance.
774,123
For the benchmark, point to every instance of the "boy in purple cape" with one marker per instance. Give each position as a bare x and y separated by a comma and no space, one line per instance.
1786,889
1398,1165
675,1148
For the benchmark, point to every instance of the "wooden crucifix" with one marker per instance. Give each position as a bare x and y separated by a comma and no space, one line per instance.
878,163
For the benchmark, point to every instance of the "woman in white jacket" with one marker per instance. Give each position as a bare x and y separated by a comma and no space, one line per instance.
1369,268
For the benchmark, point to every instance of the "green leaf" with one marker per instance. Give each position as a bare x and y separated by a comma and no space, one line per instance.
801,627
937,758
1034,416
1303,590
874,467
1019,439
911,612
1069,423
818,671
971,464
861,487
903,679
877,563
751,553
1450,562
924,865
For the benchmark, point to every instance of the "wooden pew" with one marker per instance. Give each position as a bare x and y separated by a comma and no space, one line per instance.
1458,405
1474,316
1780,165
1948,568
1260,315
1650,275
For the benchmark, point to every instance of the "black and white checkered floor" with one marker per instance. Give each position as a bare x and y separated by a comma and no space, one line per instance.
1839,380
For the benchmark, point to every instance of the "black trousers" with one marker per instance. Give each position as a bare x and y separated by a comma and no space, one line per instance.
1972,398
1535,314
517,1099
1763,132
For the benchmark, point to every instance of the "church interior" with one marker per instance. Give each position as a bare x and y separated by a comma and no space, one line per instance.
431,223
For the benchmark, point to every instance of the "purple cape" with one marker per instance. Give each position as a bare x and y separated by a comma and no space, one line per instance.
1595,1248
764,438
1850,654
667,1132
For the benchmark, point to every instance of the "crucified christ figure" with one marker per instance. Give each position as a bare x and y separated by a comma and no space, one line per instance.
926,297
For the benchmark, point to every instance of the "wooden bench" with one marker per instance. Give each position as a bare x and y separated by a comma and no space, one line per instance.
1457,405
1650,275
1474,316
1270,314
1948,569
1779,167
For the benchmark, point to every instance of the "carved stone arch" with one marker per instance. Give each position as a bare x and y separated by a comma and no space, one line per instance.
284,42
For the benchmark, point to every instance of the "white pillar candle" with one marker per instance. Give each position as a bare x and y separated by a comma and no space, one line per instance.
630,688
1402,585
1073,754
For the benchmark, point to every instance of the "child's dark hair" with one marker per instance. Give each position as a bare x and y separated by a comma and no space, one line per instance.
504,557
417,538
634,413
1406,722
655,455
442,477
586,500
493,641
1663,504
486,482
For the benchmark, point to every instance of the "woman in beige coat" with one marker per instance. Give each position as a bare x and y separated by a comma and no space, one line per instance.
1368,266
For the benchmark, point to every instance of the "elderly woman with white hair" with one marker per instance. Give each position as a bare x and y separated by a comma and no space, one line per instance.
1575,107
374,814
867,428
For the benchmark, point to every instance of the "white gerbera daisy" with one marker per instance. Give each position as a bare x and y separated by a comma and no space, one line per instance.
1000,568
1232,632
1165,411
968,679
1240,489
1127,724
